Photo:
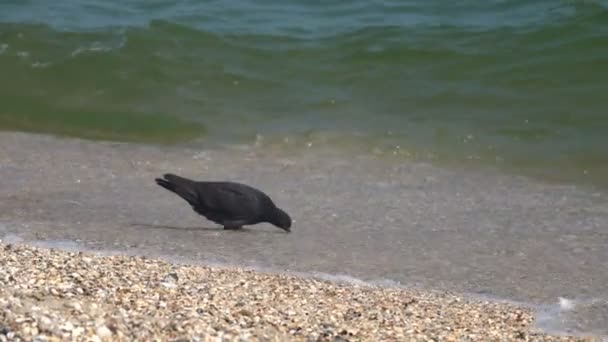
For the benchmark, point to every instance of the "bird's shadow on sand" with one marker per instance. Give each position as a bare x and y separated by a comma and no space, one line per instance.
207,229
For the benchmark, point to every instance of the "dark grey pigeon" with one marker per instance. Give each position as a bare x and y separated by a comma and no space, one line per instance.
230,204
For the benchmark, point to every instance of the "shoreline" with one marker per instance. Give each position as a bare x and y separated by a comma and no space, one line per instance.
481,235
298,145
52,293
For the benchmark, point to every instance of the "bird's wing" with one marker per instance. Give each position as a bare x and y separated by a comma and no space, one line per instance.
230,200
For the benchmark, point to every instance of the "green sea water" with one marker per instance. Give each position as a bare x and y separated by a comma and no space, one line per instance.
517,85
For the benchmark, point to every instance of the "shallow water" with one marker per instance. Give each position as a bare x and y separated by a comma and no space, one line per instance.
358,215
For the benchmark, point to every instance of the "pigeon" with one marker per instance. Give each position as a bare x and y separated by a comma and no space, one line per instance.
229,204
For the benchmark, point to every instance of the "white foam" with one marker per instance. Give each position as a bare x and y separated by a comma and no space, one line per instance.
99,47
11,238
554,318
566,304
66,245
38,64
334,278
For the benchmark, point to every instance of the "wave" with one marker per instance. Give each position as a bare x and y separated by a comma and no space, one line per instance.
527,88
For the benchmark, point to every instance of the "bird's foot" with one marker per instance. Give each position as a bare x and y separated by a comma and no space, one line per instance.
232,227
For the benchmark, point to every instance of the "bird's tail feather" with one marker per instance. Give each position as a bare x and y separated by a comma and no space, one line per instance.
179,185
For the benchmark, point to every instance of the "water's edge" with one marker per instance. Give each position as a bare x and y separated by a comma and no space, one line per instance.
547,317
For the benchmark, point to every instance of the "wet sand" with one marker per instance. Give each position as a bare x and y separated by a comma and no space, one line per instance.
399,223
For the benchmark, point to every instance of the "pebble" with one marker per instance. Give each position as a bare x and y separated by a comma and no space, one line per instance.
83,296
103,331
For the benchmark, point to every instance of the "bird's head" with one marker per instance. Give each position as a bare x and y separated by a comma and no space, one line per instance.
280,219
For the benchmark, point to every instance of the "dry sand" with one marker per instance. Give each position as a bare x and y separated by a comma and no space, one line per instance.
50,294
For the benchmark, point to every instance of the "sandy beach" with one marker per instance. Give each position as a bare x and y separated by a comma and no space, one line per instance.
49,294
